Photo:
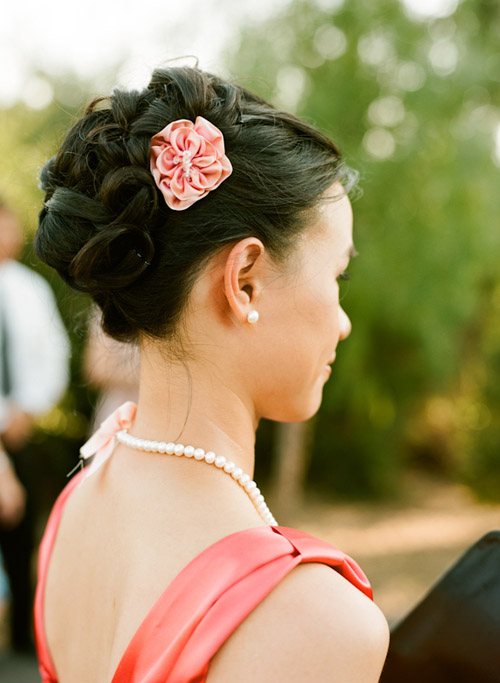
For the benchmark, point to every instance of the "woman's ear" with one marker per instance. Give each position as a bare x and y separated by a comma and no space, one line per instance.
243,277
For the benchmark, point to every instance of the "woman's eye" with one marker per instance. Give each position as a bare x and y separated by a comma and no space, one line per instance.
341,279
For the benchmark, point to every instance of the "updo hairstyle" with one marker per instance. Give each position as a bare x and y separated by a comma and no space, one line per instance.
107,230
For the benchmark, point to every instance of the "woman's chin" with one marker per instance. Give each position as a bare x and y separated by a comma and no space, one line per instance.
298,412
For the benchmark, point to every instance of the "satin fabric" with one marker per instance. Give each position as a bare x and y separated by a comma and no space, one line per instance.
188,160
205,602
100,446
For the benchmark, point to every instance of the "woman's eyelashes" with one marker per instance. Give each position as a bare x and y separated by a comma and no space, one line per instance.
343,281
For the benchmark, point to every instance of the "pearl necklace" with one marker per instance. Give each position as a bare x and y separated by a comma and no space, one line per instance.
227,466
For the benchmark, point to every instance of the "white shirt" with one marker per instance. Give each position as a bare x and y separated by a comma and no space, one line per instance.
38,346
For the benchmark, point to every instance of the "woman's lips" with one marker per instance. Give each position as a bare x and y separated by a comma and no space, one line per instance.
328,365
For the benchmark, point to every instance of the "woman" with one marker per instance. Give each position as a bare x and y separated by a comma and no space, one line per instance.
211,228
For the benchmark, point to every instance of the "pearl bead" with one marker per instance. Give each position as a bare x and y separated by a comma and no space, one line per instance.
260,498
210,457
229,467
199,454
170,447
189,451
252,317
163,447
237,473
244,479
254,493
249,486
178,449
220,461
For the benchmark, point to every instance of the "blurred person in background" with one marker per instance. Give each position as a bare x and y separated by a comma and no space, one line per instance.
34,352
111,367
12,502
12,494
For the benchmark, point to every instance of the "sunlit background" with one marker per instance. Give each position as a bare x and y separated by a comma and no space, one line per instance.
410,90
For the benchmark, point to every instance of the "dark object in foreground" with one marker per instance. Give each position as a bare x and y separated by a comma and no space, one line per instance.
454,633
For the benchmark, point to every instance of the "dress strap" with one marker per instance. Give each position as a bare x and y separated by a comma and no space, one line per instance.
213,594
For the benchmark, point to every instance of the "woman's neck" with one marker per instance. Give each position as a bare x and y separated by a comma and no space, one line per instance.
190,403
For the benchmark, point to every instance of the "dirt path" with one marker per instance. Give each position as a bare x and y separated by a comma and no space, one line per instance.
404,547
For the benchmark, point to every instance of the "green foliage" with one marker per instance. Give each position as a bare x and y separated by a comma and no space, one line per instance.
414,106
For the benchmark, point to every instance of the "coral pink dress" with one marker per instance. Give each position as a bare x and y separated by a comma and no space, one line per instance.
204,603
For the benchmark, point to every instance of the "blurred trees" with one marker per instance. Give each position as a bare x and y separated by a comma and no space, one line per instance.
414,105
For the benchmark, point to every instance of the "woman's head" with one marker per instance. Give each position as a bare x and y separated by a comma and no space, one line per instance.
105,220
282,362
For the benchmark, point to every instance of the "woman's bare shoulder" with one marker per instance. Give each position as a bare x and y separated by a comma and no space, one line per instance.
315,626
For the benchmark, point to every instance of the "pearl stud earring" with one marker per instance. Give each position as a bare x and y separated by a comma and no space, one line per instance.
252,317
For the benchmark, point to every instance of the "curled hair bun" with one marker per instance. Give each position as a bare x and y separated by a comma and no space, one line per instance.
48,182
106,228
103,206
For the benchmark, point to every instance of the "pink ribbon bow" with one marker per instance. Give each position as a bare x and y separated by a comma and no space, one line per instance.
101,443
188,160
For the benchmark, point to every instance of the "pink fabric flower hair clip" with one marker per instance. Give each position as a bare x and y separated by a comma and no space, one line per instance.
188,160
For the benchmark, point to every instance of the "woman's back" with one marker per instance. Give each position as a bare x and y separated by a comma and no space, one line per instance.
126,554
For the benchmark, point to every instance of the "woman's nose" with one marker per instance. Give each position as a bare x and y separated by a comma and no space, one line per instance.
345,326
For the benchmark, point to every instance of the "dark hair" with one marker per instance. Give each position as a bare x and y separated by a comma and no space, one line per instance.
105,226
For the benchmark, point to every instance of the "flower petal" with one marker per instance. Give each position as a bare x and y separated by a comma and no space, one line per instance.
165,161
164,135
210,133
209,177
206,156
185,140
183,188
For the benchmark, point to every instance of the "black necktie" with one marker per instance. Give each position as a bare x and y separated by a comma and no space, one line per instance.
4,344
